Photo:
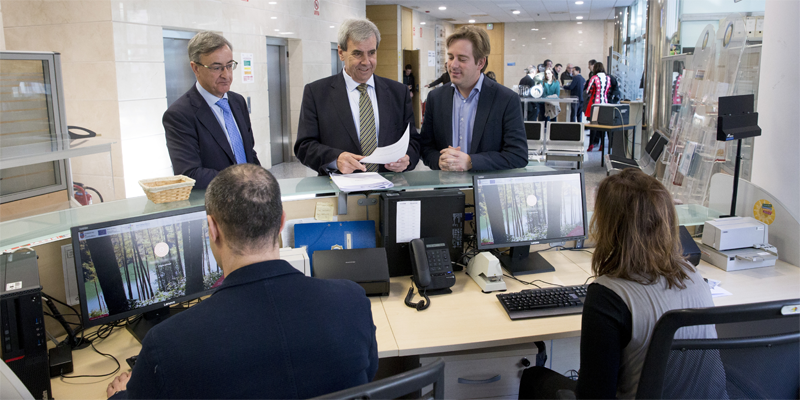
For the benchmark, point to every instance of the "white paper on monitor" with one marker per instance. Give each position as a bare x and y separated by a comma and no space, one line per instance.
390,153
408,222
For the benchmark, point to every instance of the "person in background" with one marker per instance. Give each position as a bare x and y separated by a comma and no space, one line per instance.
576,90
491,75
641,274
208,128
568,75
599,85
408,80
379,110
591,73
527,80
293,345
551,88
444,79
474,123
542,69
557,71
548,64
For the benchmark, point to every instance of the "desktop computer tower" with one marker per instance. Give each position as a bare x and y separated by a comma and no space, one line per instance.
22,335
410,215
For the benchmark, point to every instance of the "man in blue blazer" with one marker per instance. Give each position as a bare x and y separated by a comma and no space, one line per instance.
268,331
208,128
474,123
345,117
576,90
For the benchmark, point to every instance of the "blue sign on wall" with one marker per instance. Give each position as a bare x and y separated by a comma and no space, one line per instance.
511,64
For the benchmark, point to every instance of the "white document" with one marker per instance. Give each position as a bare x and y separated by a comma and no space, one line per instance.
360,182
431,58
408,221
390,153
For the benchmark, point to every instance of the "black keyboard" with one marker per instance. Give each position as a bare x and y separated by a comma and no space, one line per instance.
549,302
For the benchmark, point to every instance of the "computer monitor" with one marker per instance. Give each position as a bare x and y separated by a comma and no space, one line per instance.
566,131
533,130
143,265
518,210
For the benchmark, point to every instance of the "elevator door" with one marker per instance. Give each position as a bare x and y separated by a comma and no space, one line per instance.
279,135
178,72
336,63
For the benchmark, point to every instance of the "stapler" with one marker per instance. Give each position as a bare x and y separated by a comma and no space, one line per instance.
486,271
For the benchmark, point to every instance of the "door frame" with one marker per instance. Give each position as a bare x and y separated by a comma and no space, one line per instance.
286,133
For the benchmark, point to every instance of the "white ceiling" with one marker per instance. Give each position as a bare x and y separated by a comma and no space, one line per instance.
484,11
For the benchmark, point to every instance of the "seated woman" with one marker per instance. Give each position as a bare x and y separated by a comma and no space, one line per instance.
641,274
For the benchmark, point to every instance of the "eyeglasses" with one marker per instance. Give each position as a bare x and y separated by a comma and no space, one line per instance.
217,69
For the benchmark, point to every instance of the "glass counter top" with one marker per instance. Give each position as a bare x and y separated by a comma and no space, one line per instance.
57,224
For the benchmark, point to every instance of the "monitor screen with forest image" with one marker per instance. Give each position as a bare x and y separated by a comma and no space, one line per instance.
530,208
136,265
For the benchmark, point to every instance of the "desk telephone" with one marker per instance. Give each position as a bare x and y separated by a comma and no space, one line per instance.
431,269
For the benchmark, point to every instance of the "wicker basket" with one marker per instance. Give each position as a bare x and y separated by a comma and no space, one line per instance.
165,190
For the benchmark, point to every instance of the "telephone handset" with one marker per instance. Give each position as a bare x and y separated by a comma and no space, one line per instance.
431,269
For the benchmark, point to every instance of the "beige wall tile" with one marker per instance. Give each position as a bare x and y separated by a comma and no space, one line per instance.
144,157
89,80
79,42
2,35
141,80
38,12
137,42
100,116
138,11
137,118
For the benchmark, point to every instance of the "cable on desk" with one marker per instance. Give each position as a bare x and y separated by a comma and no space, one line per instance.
96,376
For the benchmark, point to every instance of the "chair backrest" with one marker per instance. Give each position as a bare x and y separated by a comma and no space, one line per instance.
398,385
11,388
534,130
564,136
746,366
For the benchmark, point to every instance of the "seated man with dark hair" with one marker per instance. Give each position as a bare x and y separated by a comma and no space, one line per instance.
268,331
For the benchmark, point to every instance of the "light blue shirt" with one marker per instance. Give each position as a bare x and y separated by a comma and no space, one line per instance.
212,100
464,111
353,95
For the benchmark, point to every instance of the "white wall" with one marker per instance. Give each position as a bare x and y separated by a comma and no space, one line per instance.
776,164
565,42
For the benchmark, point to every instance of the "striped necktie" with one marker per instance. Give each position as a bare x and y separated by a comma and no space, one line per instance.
366,116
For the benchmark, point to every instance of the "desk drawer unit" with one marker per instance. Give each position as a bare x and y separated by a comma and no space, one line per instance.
487,373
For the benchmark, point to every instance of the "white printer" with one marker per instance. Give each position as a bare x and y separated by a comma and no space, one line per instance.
298,258
737,243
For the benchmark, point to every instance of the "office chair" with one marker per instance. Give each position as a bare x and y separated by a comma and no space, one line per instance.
399,385
751,366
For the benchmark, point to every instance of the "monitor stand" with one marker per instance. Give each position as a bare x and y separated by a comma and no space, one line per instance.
140,327
521,261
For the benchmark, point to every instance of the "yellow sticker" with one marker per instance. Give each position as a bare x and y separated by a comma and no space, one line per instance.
324,211
764,211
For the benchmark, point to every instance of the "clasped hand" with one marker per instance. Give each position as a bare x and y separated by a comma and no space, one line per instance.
348,163
453,159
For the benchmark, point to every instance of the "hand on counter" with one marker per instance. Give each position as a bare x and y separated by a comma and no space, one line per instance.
453,159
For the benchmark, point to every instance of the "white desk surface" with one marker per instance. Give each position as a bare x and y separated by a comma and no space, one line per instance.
465,320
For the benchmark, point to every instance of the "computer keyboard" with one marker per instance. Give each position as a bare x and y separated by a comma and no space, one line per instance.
548,302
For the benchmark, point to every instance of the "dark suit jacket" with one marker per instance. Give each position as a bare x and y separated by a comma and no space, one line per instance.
498,135
576,87
198,147
327,129
267,332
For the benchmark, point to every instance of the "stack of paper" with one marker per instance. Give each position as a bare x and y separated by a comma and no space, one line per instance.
360,182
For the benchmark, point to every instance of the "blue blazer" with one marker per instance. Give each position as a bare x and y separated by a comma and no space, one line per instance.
498,135
198,147
576,87
326,127
267,332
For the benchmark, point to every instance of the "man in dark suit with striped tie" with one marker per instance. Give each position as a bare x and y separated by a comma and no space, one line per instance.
345,117
208,128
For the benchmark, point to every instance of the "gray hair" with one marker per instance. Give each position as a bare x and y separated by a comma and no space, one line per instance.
204,43
358,30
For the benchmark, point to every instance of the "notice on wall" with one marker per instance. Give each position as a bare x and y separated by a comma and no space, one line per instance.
247,68
431,58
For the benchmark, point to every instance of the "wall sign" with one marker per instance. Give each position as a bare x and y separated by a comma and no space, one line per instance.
316,7
247,68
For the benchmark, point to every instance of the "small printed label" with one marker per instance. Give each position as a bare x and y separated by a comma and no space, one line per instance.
788,310
14,286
